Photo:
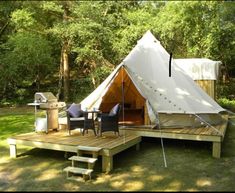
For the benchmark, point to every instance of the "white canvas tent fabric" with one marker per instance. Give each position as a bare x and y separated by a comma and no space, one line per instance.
173,99
199,68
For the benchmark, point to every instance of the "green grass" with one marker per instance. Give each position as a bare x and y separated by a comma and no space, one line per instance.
190,165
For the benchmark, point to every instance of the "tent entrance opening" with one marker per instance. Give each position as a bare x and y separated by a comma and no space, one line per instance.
123,91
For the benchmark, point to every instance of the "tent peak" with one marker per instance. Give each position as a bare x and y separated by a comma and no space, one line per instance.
148,37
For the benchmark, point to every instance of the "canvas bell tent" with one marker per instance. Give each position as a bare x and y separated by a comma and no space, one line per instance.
203,71
149,96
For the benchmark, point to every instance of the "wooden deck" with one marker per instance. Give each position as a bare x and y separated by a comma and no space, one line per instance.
109,143
214,135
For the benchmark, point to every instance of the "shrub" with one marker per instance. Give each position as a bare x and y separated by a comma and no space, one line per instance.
227,104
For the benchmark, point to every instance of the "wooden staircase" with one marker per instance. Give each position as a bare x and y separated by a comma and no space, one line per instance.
85,172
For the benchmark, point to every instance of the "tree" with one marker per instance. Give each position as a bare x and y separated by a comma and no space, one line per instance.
24,61
85,30
24,52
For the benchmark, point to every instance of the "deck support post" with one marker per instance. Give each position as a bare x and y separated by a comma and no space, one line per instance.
137,147
216,149
95,154
107,163
66,155
13,150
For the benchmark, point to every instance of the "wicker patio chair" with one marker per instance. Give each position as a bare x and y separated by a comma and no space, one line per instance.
109,121
75,117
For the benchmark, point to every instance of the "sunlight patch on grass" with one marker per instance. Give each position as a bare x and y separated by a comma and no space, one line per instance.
121,176
138,169
117,184
15,175
154,178
118,181
47,175
11,189
102,179
15,124
174,186
203,182
4,160
3,143
133,186
71,187
191,190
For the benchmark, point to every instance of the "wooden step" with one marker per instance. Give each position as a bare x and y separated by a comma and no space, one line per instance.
77,170
88,148
83,159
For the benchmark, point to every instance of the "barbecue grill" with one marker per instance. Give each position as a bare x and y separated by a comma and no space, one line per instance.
47,101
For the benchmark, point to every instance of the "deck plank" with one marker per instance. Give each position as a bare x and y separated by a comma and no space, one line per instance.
60,138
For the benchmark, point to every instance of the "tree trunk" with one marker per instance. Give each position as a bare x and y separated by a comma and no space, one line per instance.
61,72
38,82
3,28
66,71
93,80
65,55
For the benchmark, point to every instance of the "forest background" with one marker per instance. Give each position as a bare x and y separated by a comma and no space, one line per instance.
69,47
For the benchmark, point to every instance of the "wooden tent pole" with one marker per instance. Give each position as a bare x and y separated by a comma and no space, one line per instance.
123,99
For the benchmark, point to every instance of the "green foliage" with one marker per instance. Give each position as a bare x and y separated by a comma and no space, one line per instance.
136,20
81,88
102,72
225,90
26,59
22,18
226,103
52,7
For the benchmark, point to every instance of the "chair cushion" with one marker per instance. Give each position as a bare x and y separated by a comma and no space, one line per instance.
114,110
75,110
77,119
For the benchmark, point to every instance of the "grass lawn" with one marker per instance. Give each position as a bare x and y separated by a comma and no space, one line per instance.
190,165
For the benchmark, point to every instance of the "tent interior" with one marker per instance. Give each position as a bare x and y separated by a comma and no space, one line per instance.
122,90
